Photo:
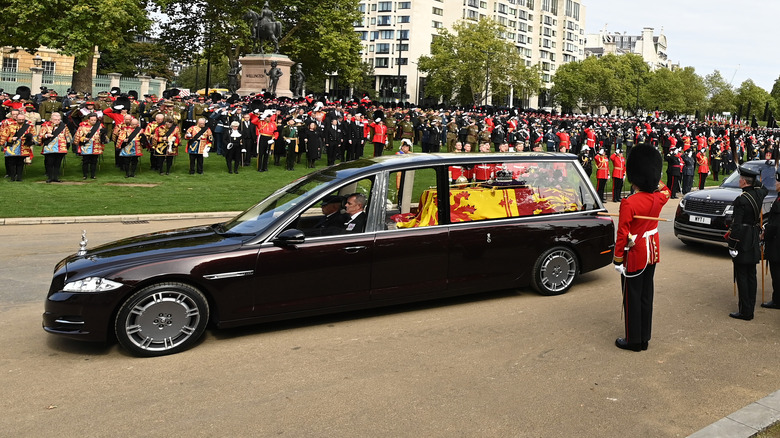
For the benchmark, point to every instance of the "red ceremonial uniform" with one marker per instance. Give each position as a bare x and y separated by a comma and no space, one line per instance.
618,166
646,249
380,133
701,160
565,141
590,137
602,167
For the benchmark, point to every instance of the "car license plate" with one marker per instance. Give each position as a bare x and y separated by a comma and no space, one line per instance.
701,220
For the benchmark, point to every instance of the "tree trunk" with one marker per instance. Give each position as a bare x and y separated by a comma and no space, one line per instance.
82,78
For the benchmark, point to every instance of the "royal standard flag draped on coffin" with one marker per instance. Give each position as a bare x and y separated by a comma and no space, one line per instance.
480,203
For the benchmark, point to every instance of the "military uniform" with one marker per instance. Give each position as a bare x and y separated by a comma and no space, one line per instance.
452,135
130,144
391,124
165,145
90,141
637,245
198,143
54,141
772,251
743,241
602,174
18,140
49,106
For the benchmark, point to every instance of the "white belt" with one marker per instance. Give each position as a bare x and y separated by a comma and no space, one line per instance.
646,236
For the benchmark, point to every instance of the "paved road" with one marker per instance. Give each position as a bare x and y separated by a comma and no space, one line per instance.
500,364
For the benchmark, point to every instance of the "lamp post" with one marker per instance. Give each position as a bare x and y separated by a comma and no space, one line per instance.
37,60
417,82
487,74
398,61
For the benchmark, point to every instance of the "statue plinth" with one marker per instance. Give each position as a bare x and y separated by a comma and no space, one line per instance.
254,79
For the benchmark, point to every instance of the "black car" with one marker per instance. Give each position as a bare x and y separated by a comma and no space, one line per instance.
705,215
416,227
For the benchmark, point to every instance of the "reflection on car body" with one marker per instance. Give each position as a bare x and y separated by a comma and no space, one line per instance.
434,227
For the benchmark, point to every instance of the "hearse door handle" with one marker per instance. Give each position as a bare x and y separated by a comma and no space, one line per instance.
354,249
489,238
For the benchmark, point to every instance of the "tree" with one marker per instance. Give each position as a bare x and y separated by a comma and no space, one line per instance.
720,94
136,58
463,62
568,85
748,91
193,77
73,27
663,91
320,34
694,91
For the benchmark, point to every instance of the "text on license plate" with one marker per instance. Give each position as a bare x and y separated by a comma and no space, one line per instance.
701,219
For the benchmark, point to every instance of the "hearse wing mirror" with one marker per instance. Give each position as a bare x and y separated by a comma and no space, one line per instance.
290,238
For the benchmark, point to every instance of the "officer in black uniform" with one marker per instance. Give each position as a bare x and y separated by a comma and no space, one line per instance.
772,249
743,240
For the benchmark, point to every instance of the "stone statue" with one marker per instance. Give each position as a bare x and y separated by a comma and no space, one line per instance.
300,81
233,75
273,77
264,27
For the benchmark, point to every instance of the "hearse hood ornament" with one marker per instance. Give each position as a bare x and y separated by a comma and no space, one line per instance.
83,243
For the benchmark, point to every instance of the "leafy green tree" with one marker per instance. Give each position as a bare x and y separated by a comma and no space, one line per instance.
663,91
320,34
136,58
193,77
73,27
748,91
775,93
568,85
473,54
693,91
720,94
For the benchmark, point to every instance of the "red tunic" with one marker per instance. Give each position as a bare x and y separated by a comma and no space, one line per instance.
380,133
701,160
602,167
618,166
647,248
565,141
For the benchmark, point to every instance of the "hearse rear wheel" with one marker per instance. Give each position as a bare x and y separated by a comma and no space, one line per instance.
161,319
554,271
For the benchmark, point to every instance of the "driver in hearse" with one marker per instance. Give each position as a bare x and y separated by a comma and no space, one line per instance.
333,220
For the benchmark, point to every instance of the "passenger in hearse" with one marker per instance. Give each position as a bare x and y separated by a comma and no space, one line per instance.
356,216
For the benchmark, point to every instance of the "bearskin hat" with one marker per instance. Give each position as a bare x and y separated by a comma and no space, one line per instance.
23,92
133,93
643,167
122,101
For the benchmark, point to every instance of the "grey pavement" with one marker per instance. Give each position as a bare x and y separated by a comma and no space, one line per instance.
745,422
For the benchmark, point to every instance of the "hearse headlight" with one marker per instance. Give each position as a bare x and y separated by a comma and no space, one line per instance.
729,210
91,284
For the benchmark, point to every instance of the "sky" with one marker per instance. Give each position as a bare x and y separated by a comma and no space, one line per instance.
738,38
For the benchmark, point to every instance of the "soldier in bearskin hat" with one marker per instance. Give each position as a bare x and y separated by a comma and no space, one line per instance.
637,246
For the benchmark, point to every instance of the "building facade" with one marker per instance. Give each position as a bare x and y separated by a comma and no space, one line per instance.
395,34
653,49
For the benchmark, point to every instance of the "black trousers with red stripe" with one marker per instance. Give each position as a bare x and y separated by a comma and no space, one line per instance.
638,291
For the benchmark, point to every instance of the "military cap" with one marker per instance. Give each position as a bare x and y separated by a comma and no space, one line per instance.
744,171
333,199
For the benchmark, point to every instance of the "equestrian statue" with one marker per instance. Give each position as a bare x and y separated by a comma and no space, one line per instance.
264,27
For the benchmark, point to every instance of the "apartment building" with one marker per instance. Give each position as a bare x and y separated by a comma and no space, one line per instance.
395,34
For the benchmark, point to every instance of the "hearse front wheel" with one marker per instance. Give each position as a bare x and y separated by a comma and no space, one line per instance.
555,271
162,319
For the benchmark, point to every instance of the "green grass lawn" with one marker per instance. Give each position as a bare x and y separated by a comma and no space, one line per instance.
111,193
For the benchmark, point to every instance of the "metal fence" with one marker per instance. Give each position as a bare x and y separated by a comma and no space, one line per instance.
100,83
11,79
155,87
59,83
127,84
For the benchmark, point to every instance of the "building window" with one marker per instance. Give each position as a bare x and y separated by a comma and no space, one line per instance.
374,35
402,61
473,3
373,8
438,11
572,9
373,21
472,15
483,5
9,69
362,35
404,5
386,34
383,48
381,62
362,8
404,19
383,20
402,47
403,34
550,6
385,6
502,8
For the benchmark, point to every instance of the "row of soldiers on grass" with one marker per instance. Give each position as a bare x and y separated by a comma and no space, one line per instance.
340,130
